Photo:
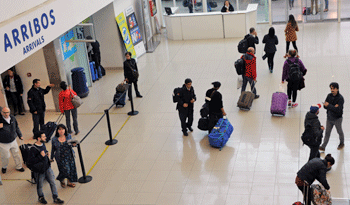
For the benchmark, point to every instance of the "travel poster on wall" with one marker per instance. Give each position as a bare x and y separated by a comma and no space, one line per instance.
68,49
135,31
147,21
123,28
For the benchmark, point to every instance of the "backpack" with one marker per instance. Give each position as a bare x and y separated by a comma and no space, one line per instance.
243,46
185,3
294,73
176,94
25,150
308,137
240,67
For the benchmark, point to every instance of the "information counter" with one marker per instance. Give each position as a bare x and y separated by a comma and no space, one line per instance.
211,25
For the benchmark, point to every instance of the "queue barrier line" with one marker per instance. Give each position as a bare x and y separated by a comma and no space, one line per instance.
93,166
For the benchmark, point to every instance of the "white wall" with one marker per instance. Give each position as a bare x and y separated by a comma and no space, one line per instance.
35,64
3,100
107,34
11,8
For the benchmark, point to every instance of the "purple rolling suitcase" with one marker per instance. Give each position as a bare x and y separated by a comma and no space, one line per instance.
279,103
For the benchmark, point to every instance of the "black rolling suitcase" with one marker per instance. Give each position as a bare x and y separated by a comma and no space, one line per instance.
50,127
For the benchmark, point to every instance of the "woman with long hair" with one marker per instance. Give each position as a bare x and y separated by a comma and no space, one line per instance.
290,32
270,41
63,152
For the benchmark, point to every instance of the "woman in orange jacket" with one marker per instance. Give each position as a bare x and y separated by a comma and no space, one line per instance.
66,107
290,32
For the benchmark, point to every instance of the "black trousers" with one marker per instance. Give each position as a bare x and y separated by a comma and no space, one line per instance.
294,45
292,89
16,99
213,119
184,115
38,120
135,87
314,153
307,195
270,57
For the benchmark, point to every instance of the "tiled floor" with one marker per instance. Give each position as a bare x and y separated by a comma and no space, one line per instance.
154,164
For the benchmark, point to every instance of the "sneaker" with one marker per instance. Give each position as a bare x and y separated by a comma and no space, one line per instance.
58,201
322,149
42,200
285,56
264,57
190,129
77,133
3,170
20,170
289,103
139,96
257,96
271,71
325,10
294,105
341,146
185,134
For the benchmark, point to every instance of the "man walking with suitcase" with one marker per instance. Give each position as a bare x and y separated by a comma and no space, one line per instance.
36,103
9,130
185,106
250,71
334,105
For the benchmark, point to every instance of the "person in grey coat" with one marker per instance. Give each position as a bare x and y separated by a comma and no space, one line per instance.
312,170
270,49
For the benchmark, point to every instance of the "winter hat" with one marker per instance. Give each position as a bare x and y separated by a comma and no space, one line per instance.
314,108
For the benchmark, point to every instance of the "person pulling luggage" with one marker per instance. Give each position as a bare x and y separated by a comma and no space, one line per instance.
314,169
216,107
250,71
185,105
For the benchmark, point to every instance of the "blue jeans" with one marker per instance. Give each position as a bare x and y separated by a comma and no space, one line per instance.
251,82
326,3
50,177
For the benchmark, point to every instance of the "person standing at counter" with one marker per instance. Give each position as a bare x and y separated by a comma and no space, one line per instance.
227,7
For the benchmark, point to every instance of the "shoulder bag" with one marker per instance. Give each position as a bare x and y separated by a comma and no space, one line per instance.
76,100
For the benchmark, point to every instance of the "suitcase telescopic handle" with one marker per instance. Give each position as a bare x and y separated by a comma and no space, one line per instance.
59,118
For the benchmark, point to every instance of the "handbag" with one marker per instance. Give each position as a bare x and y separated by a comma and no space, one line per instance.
134,72
76,100
121,87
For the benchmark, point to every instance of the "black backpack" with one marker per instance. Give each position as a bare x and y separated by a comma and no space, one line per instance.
308,137
240,66
243,46
294,73
176,94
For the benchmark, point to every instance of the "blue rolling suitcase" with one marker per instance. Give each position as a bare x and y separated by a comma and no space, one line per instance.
220,134
121,97
99,72
93,71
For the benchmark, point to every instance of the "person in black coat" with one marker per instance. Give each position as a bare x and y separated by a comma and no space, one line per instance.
252,38
185,106
14,91
36,103
227,7
313,130
312,170
130,68
216,107
95,53
270,49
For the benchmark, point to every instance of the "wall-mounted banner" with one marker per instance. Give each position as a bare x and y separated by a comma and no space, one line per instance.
123,28
147,21
152,7
135,32
68,49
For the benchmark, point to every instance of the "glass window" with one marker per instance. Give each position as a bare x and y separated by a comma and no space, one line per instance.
345,8
220,4
198,7
263,8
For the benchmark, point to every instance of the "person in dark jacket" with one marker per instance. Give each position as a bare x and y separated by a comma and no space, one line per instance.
130,65
314,169
250,71
14,91
39,163
94,52
293,86
314,129
185,106
227,7
9,131
37,104
252,38
216,107
334,105
270,41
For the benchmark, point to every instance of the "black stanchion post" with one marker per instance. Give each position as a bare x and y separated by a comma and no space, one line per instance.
132,112
110,141
84,179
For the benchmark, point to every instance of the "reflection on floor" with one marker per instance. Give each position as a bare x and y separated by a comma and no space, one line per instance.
154,164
